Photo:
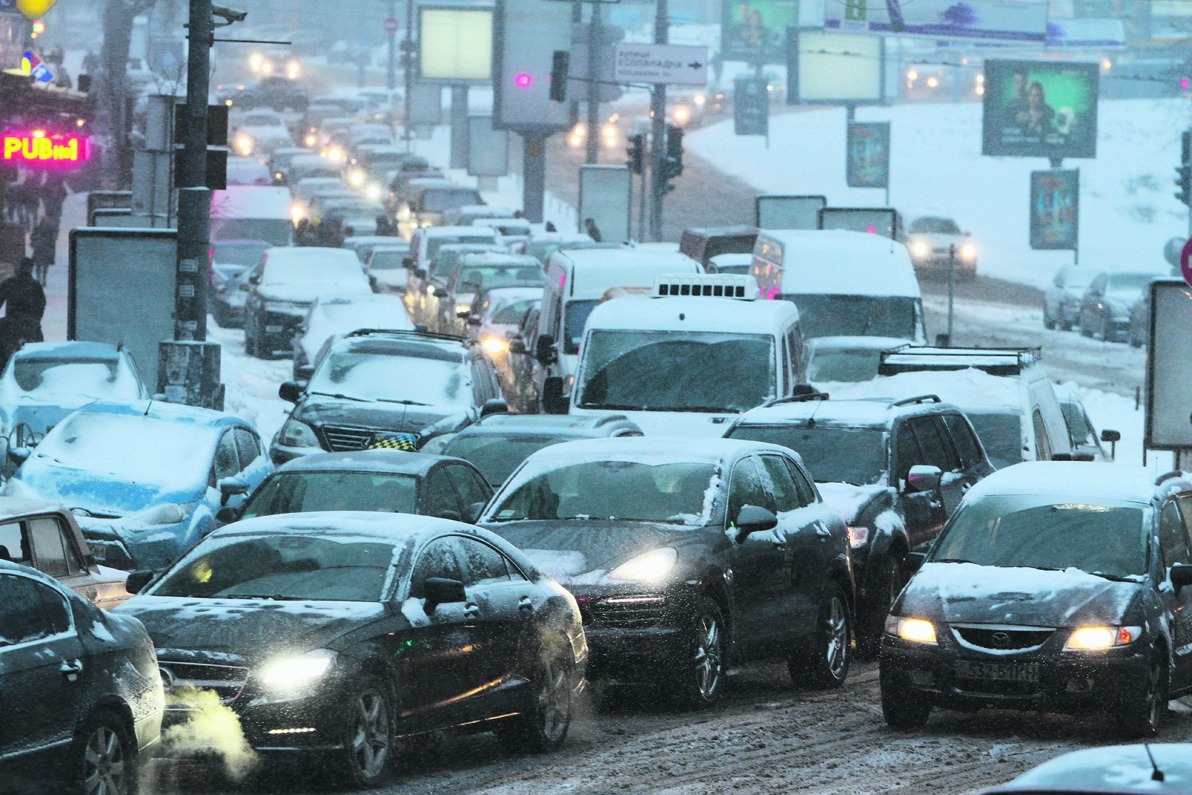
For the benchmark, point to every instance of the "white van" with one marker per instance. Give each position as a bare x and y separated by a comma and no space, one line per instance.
576,280
844,283
688,357
252,212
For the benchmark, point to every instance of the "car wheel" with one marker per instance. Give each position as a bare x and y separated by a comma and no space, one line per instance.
1048,321
104,757
902,709
699,677
825,663
543,726
367,735
1105,335
1144,718
1085,331
871,618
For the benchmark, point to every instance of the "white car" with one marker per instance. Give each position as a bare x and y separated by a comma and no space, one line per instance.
332,316
260,132
931,240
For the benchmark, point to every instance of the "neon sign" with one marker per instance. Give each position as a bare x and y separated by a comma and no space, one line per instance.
39,148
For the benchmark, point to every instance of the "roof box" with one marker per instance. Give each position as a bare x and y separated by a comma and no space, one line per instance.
706,285
995,361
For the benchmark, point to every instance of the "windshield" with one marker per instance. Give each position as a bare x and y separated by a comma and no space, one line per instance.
387,259
284,568
856,315
306,272
1000,435
511,313
839,364
238,253
274,231
575,315
477,276
674,493
1036,532
1128,283
435,243
497,456
832,454
677,371
295,492
93,378
934,226
374,376
435,200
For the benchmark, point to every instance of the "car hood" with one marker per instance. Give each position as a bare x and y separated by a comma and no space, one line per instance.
297,293
319,410
968,593
938,239
578,553
97,493
245,630
847,500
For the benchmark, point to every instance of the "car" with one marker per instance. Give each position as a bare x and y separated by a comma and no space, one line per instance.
524,368
1057,585
510,230
338,632
370,480
498,443
932,240
45,381
894,470
430,280
144,479
739,264
465,215
687,556
385,388
1111,770
1086,443
260,132
276,92
1062,298
332,316
279,162
85,701
229,259
363,245
46,537
248,171
385,265
475,272
282,287
494,315
424,204
424,248
1105,307
358,215
832,360
542,245
1140,320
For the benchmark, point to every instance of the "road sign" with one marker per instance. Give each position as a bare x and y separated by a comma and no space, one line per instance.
1186,261
751,106
661,63
390,25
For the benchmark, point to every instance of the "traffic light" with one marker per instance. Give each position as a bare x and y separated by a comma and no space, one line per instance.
673,165
558,75
637,154
1183,172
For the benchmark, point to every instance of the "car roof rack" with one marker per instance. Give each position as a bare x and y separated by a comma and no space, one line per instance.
911,401
995,361
799,398
706,285
1175,473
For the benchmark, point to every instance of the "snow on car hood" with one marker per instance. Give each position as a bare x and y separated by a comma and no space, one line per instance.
846,499
98,493
393,417
306,292
969,593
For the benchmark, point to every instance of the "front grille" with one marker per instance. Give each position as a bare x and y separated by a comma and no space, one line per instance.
347,439
226,681
1003,638
622,613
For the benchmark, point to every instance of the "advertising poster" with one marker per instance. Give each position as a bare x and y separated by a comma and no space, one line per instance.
1040,109
834,68
1055,208
882,221
868,154
754,31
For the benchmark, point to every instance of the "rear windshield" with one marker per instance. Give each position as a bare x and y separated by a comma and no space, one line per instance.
856,315
436,200
832,454
295,492
497,456
274,231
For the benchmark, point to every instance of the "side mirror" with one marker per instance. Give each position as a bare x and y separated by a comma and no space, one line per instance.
914,562
545,351
137,580
553,401
494,406
1181,575
442,591
290,391
228,514
472,514
19,454
754,519
923,478
517,344
465,314
230,487
1113,437
472,320
407,263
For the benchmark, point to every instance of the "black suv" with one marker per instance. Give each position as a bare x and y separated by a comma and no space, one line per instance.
390,389
278,93
893,470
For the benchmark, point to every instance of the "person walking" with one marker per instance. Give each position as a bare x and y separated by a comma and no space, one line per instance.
44,242
53,196
31,198
592,230
24,302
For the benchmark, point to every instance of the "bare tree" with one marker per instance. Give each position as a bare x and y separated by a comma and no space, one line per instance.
112,111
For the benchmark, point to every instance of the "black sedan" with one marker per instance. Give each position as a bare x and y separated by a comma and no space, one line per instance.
79,689
369,480
335,633
687,555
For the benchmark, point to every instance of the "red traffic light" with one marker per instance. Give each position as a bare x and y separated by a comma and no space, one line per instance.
522,80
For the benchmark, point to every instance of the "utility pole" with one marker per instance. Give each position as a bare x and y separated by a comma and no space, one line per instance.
194,198
391,78
407,65
658,131
593,142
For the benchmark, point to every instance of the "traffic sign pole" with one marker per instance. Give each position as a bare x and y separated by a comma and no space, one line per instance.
1186,261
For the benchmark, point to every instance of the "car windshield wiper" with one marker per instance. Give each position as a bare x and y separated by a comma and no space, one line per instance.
340,396
1116,577
950,560
403,402
273,597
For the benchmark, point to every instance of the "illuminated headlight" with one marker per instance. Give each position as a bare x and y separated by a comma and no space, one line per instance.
968,251
373,192
682,115
267,67
293,70
494,344
311,139
916,630
228,102
292,673
933,82
356,177
858,536
296,213
1100,638
297,434
255,61
653,566
920,248
244,145
462,308
700,100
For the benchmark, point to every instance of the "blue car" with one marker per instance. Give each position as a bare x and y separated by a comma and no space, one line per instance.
144,479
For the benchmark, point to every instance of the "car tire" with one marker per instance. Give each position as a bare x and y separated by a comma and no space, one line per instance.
904,710
1144,719
1048,322
366,734
1084,330
104,757
824,663
543,726
699,677
1104,333
871,618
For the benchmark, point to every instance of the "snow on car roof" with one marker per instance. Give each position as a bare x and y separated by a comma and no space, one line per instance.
21,506
685,313
864,411
830,262
591,271
68,351
373,524
651,450
392,461
969,389
159,409
1066,480
853,343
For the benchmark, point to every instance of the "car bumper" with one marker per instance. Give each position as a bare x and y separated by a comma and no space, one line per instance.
276,333
939,263
152,549
279,454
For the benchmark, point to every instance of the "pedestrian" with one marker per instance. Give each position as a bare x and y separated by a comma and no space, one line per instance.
592,230
550,226
53,196
25,303
44,242
31,198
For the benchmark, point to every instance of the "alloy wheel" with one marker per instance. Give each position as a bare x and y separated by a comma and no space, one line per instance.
104,763
708,656
370,734
554,699
837,639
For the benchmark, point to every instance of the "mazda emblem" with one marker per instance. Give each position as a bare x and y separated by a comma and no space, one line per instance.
1001,639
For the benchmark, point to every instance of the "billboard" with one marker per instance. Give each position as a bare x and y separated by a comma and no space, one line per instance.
985,21
755,31
526,35
751,106
1055,209
604,196
455,44
1040,109
882,221
788,212
868,154
1168,367
834,68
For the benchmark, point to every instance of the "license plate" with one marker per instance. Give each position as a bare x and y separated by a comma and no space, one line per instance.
272,329
999,671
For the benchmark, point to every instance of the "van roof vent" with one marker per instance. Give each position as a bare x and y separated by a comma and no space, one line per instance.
706,285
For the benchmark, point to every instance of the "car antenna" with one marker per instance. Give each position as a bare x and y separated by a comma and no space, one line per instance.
148,406
1156,773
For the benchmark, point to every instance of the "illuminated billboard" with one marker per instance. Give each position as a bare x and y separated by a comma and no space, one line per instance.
456,44
754,31
834,68
1040,109
39,148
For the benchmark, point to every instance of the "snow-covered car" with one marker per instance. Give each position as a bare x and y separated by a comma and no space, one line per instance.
845,359
932,240
1061,299
681,552
474,272
894,470
83,695
45,381
494,315
385,266
359,627
1105,306
144,480
248,171
1106,770
332,316
1057,585
229,260
259,132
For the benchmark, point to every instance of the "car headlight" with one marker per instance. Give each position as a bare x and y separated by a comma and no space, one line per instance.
920,248
858,536
356,177
1100,638
311,139
916,630
653,566
295,433
244,144
968,251
292,673
373,192
494,344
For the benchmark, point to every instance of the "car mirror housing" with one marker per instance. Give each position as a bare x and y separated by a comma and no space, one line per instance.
545,352
1111,436
137,580
1181,575
472,514
290,391
754,519
228,514
923,478
230,487
442,591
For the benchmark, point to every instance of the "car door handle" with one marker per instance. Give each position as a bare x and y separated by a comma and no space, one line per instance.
471,611
525,604
934,504
822,531
71,669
